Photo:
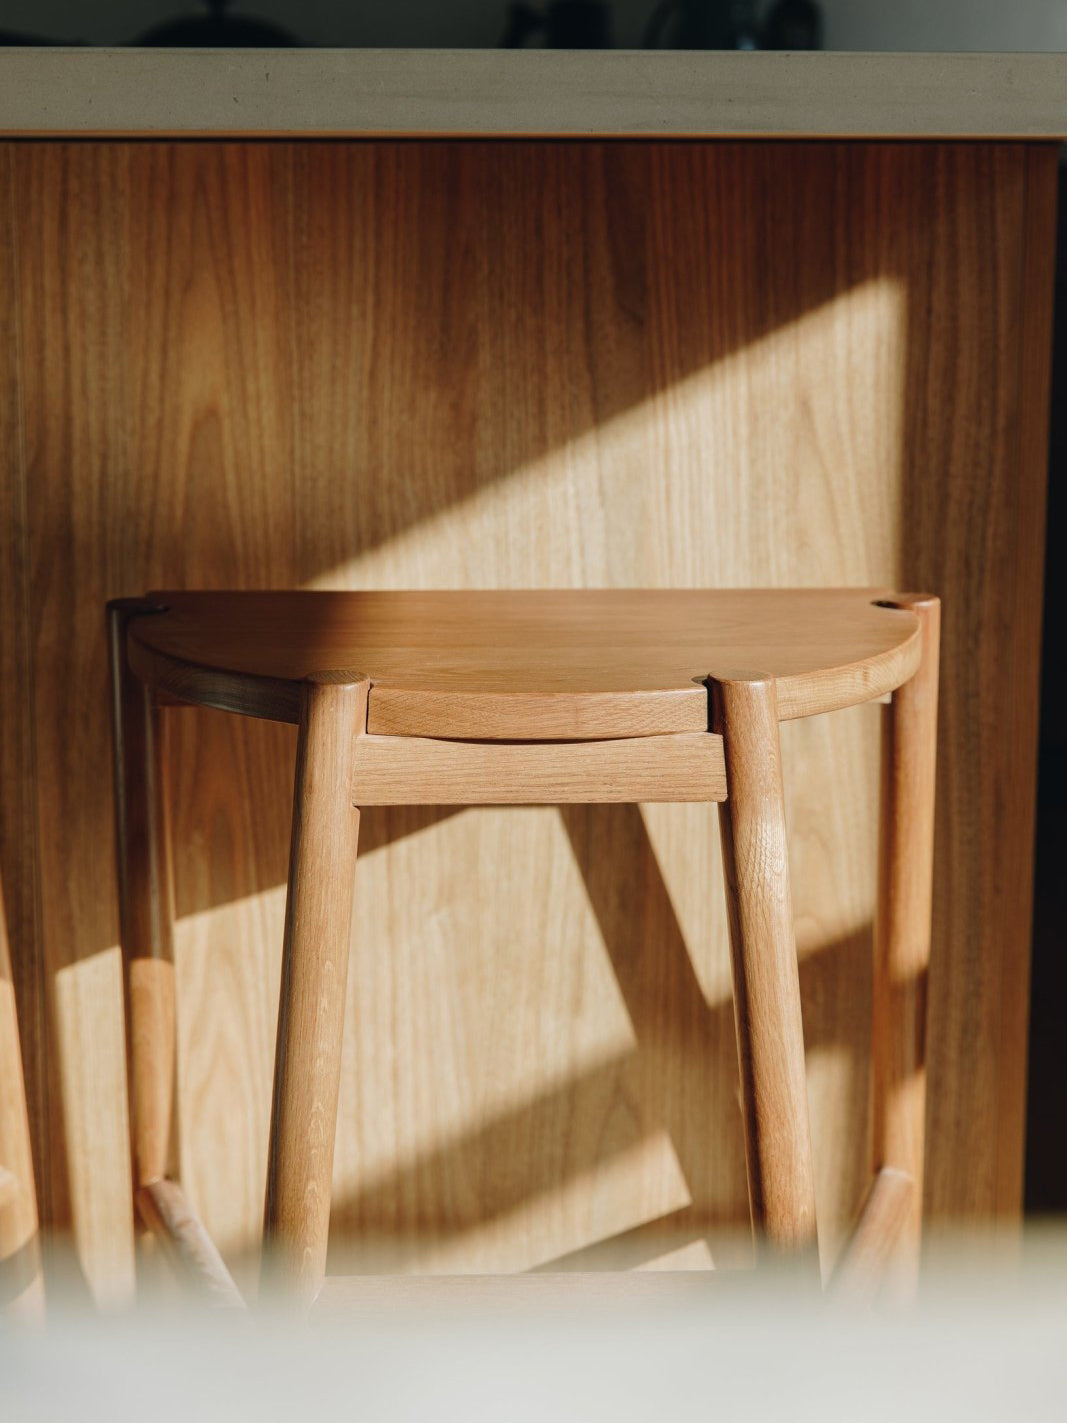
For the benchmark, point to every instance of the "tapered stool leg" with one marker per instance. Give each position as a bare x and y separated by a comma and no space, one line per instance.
770,1038
311,1007
902,932
146,906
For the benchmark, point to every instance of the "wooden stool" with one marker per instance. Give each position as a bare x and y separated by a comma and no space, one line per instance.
531,698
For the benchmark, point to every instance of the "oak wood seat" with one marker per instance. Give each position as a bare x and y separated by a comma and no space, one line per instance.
533,665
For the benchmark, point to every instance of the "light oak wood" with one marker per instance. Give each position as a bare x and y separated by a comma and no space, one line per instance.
146,906
404,770
903,929
318,919
688,365
556,716
487,93
186,1245
770,1032
872,1253
525,664
523,641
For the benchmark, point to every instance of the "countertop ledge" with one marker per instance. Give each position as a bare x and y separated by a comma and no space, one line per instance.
324,93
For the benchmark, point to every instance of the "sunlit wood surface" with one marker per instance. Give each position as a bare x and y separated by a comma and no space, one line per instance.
529,664
516,365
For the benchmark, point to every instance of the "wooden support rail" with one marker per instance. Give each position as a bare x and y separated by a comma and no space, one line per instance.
186,1245
414,770
863,1267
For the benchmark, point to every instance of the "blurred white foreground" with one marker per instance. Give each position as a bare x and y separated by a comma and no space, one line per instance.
988,1340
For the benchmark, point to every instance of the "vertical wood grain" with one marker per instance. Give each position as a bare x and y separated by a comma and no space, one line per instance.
146,906
311,1010
989,573
21,969
463,364
1037,261
73,379
766,980
149,396
902,934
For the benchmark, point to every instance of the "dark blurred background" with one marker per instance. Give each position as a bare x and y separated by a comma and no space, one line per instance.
627,24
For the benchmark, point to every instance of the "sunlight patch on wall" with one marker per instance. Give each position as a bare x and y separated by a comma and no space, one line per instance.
502,1101
740,474
90,1051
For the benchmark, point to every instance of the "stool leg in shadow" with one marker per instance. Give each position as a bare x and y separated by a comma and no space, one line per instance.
146,910
770,1036
318,920
146,919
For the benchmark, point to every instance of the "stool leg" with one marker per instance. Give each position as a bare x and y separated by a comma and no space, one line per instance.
902,930
770,1038
146,906
318,920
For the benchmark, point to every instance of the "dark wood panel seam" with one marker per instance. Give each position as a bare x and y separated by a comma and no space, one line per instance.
1036,289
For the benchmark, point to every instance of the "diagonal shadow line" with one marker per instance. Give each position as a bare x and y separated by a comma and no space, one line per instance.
260,757
602,203
791,286
671,1017
383,825
587,1121
621,336
630,1249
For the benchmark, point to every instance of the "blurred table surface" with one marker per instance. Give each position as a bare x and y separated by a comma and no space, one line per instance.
500,93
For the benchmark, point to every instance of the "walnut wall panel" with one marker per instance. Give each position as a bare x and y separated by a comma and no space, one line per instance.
19,1248
527,364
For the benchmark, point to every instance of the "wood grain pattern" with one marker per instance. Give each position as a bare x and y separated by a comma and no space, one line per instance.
85,1146
994,838
318,925
632,662
186,1245
869,1258
763,956
902,934
146,907
558,717
477,366
1029,444
22,1027
415,770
